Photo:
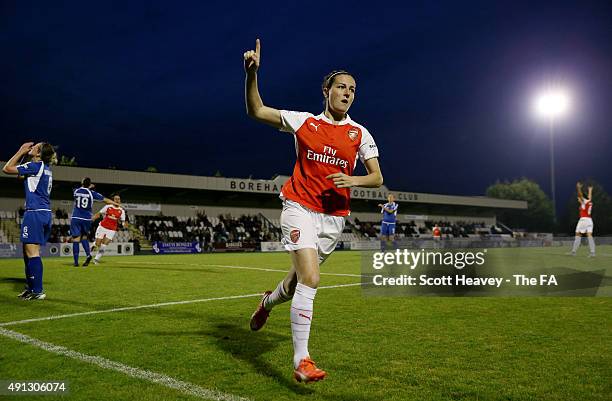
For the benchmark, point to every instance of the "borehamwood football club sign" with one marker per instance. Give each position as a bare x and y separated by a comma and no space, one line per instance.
271,187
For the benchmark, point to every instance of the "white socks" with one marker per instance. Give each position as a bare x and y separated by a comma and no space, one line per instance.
591,245
576,244
278,296
100,252
301,317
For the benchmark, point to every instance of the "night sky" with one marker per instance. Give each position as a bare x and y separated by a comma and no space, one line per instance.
445,88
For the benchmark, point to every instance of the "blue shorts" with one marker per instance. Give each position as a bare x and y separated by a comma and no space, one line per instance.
36,227
79,227
387,229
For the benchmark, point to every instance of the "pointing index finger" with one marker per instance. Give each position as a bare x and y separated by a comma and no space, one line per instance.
257,46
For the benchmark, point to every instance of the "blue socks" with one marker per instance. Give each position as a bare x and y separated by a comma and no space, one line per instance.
75,252
35,274
85,244
26,262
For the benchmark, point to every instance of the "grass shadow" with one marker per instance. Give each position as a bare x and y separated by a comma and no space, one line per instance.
243,344
19,283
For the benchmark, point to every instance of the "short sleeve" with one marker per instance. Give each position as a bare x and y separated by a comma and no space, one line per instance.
104,209
292,120
29,168
367,148
97,196
122,214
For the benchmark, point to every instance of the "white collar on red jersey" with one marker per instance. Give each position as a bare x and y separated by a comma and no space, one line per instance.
323,117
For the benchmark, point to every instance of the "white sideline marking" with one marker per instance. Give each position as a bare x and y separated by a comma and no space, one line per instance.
126,308
234,267
153,377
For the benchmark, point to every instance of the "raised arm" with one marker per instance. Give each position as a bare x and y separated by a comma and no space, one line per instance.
110,202
11,166
254,105
590,193
579,191
123,219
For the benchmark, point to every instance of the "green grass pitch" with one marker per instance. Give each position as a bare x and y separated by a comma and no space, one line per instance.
374,348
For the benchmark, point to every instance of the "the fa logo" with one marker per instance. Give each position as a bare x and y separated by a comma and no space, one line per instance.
25,232
548,280
352,133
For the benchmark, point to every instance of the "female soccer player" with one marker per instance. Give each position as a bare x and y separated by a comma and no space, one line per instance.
80,222
316,197
36,224
585,223
108,226
387,225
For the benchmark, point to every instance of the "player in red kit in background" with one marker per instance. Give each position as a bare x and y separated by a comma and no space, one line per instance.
108,226
315,199
436,234
585,224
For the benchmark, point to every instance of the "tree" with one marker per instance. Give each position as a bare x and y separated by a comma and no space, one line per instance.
602,210
66,161
539,213
151,169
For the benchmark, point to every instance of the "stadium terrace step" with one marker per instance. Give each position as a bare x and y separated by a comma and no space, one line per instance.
10,227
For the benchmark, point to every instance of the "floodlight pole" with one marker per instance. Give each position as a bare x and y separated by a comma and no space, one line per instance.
551,129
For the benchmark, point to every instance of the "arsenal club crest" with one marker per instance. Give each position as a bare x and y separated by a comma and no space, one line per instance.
294,235
352,133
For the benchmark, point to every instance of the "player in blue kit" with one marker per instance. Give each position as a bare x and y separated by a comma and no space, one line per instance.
80,223
37,219
387,226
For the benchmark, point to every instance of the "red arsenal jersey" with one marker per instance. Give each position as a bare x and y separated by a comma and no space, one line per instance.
585,208
324,148
112,215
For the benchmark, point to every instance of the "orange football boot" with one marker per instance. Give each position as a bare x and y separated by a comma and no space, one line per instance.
308,372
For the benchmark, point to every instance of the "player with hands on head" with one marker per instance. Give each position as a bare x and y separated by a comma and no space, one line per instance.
316,198
37,219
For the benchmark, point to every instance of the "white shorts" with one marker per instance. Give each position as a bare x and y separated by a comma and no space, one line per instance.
304,228
585,225
102,232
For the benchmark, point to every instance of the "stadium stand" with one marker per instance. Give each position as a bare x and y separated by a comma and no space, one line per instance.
9,231
455,229
207,230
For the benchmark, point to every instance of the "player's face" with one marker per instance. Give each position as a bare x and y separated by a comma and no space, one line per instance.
390,198
117,198
35,150
341,94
